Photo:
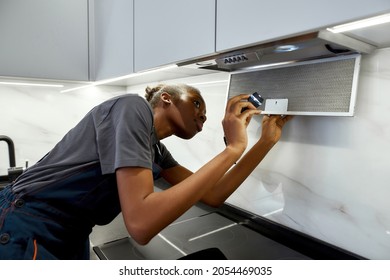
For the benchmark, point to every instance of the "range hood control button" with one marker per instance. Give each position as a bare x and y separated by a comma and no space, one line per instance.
235,59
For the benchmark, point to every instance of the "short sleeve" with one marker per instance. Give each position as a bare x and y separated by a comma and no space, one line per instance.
163,157
124,128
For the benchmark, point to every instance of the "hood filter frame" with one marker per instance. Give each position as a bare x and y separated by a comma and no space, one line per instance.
325,87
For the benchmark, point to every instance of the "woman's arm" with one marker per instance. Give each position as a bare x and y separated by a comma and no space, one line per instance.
271,131
146,212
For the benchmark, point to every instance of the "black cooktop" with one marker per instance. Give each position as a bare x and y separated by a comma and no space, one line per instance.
192,234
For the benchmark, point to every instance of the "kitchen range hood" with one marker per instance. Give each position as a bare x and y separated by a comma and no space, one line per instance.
315,45
314,74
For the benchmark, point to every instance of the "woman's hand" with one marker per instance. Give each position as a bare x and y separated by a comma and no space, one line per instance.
235,122
272,127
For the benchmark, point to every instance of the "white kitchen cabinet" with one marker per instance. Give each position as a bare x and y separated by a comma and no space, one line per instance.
111,38
44,39
246,22
172,30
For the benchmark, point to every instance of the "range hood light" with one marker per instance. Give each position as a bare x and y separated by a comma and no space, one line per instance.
286,48
206,63
360,24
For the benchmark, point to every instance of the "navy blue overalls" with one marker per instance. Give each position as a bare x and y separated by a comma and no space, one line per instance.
55,223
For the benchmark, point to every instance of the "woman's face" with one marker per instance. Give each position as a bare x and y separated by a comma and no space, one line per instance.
192,110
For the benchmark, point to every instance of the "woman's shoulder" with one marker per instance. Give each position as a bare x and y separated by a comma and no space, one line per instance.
132,100
129,96
125,105
126,101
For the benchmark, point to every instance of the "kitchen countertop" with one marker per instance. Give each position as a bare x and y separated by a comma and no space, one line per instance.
201,227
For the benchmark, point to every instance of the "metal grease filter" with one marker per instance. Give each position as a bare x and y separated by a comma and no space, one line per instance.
324,86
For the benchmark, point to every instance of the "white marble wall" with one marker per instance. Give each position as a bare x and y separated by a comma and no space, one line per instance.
328,176
36,118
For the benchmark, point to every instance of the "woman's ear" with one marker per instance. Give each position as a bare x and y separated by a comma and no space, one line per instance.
166,98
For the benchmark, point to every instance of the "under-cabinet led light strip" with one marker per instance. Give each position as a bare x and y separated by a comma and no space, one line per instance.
103,82
208,83
31,84
360,24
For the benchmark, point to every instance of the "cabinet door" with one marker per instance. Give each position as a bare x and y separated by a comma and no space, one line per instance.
112,39
44,39
172,30
246,22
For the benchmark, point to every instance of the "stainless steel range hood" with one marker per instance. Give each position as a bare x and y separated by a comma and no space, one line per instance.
315,45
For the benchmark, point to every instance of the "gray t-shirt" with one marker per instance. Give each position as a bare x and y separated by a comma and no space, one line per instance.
117,133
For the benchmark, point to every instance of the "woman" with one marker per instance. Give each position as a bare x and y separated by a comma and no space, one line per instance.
107,163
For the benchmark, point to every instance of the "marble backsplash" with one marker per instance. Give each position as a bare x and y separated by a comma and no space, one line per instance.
36,118
327,177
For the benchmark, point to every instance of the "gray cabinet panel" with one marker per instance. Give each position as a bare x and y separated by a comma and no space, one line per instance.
44,39
172,30
246,22
112,47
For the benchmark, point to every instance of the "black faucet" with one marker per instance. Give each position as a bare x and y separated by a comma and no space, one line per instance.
11,149
13,171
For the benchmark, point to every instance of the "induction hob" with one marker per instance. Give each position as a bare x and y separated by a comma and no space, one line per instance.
187,236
